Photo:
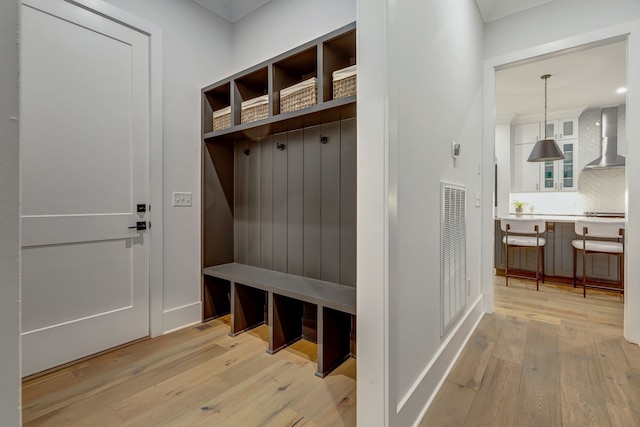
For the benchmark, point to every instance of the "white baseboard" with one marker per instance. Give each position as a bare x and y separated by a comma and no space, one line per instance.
412,407
181,317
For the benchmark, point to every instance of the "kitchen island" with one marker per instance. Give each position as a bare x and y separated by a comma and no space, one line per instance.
558,255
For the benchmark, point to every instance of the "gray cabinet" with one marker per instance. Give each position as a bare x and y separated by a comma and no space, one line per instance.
561,234
600,267
519,258
558,257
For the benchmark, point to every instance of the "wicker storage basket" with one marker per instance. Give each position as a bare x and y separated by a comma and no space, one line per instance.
254,109
298,96
222,118
344,82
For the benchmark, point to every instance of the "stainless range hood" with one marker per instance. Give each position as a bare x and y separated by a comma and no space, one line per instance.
609,157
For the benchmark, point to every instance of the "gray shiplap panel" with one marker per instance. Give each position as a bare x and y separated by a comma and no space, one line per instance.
217,204
330,204
242,203
312,199
280,206
295,201
266,202
348,202
254,203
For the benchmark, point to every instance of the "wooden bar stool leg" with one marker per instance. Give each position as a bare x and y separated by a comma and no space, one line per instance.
584,273
622,272
543,273
506,264
575,265
538,268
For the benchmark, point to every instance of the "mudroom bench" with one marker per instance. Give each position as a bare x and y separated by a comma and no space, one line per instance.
293,307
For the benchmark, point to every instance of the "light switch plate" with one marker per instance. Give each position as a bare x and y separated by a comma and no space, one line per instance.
181,198
455,149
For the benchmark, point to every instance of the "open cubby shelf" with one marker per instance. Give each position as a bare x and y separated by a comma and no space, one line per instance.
338,109
318,58
279,202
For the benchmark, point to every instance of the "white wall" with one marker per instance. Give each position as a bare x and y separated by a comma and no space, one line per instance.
9,217
281,25
373,201
434,83
569,23
503,160
196,52
554,21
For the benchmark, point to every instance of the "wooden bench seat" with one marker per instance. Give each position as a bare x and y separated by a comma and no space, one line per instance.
244,292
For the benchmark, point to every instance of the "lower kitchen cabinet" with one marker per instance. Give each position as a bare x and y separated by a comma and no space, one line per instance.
523,259
558,257
561,234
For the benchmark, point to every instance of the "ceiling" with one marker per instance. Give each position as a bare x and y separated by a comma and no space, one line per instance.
232,10
496,9
579,78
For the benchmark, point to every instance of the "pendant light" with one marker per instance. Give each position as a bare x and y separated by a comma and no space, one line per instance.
545,149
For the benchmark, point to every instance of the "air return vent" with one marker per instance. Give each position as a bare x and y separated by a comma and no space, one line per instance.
453,253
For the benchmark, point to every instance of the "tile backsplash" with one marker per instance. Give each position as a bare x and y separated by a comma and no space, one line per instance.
601,190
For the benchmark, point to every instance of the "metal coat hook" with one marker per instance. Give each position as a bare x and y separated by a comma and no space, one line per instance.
246,151
280,146
324,139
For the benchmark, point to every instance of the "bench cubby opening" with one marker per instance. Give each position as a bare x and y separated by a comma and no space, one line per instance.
248,309
216,297
285,320
334,347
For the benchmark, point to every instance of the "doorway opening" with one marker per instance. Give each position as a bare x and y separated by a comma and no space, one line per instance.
584,81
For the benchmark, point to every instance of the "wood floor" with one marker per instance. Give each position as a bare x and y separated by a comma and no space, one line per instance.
548,358
195,378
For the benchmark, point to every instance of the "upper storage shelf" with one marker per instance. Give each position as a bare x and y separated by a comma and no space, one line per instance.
287,92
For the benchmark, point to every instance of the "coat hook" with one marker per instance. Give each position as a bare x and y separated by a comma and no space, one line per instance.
324,139
246,151
280,146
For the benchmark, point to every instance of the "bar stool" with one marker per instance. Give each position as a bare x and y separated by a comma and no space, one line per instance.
524,233
593,241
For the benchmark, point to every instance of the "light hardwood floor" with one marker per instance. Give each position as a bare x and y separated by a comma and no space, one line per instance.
548,358
195,378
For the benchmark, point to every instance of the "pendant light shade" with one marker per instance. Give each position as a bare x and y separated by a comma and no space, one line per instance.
546,149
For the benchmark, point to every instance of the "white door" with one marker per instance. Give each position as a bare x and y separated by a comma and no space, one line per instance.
84,144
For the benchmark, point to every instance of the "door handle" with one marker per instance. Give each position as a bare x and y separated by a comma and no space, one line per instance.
140,225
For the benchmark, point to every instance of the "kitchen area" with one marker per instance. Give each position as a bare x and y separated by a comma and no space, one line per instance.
576,102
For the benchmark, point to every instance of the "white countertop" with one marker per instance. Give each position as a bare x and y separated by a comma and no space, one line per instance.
559,218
